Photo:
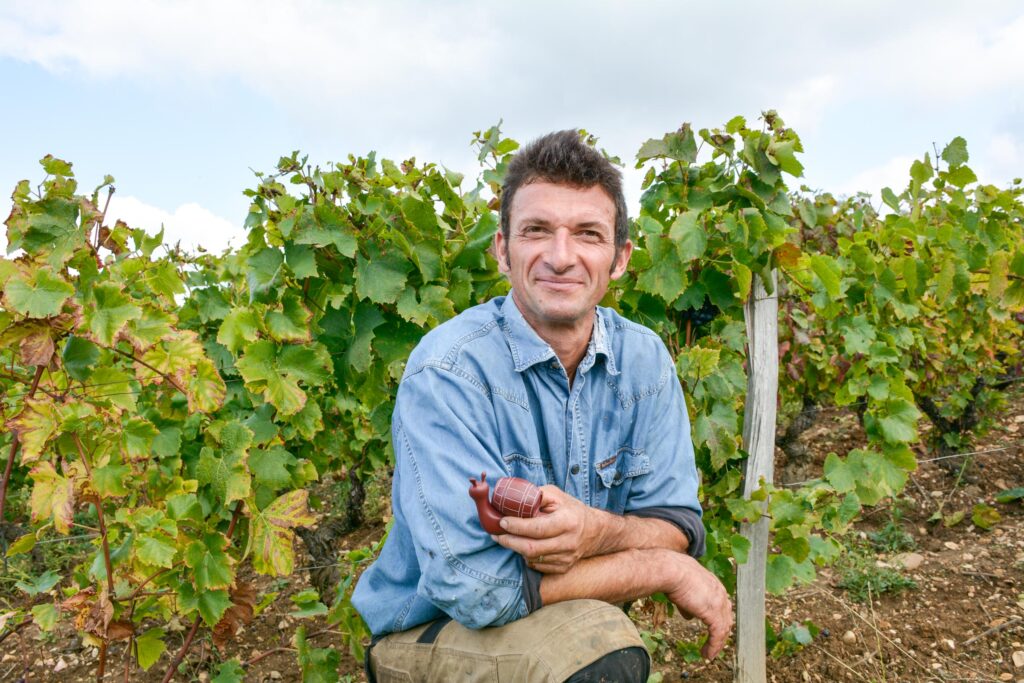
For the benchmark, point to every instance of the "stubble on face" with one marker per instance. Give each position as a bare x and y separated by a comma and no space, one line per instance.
560,256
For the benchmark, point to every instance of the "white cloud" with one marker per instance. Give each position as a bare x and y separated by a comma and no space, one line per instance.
894,174
1004,159
409,68
804,105
310,49
407,78
944,58
190,224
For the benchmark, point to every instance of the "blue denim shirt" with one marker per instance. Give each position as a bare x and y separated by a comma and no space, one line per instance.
484,393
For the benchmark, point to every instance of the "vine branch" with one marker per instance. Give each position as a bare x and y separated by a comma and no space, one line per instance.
180,655
99,517
173,382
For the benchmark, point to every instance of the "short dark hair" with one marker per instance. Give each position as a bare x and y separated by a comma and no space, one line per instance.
565,159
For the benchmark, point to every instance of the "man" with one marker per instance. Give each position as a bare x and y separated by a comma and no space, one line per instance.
546,385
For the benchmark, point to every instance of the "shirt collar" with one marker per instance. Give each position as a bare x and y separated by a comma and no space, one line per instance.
601,343
528,348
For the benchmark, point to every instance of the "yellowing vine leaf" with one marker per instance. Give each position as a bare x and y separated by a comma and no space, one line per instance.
34,425
206,388
53,497
272,535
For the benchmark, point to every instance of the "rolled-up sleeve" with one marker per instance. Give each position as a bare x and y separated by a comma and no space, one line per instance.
445,432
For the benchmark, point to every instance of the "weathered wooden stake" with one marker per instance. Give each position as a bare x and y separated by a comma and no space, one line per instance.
761,314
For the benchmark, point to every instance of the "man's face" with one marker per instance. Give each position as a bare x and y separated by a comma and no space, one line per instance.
560,254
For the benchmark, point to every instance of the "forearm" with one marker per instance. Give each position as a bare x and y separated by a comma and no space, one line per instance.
614,577
632,574
614,533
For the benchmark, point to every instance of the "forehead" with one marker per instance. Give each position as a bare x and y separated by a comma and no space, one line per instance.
562,204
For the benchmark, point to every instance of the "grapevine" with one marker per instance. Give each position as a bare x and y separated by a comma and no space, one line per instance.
177,408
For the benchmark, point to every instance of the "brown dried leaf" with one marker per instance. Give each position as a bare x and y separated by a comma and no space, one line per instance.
120,630
244,594
89,211
243,598
69,318
81,599
108,243
37,349
660,615
99,617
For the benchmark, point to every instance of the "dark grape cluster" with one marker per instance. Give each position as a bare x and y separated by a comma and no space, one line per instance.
701,316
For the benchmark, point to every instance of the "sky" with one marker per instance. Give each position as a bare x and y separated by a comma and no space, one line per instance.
182,101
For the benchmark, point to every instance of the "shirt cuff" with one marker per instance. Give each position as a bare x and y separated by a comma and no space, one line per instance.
687,520
531,588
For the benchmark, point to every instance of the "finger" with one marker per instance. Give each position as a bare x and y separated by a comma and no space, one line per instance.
716,641
553,493
719,628
553,498
530,548
544,526
551,565
527,547
550,551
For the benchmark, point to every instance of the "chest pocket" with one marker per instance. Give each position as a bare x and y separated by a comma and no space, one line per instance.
530,468
615,477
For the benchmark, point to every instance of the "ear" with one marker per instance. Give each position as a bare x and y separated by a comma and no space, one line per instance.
500,252
622,260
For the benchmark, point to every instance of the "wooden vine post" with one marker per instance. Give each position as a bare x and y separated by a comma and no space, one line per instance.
761,314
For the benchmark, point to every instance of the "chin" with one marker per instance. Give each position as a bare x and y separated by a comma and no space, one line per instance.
565,317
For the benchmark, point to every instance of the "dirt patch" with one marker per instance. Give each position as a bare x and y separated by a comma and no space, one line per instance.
965,619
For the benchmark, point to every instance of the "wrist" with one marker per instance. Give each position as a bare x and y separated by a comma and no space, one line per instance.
594,531
665,566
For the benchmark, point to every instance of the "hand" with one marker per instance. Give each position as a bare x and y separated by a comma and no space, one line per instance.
698,593
557,538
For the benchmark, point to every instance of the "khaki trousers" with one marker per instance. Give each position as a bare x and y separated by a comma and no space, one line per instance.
547,646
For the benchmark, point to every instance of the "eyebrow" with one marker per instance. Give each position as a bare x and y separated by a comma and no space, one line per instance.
545,222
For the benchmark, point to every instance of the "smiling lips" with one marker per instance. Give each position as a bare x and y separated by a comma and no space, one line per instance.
560,285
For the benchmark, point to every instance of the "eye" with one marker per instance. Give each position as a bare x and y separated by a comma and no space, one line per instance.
591,235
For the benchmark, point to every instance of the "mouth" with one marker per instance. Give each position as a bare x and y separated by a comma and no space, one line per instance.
559,285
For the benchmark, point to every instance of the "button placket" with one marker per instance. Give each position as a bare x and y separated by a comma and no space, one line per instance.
576,454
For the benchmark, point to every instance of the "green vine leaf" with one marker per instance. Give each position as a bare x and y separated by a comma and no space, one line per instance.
381,276
39,295
212,567
211,604
227,475
107,312
148,647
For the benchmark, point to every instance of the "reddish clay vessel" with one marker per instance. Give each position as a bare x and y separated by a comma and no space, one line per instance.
512,496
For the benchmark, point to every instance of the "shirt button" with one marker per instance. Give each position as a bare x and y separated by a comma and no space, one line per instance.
575,469
554,365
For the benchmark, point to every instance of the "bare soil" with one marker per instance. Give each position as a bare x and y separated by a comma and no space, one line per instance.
965,619
963,622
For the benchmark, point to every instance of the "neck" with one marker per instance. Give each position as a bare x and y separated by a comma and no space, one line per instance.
569,341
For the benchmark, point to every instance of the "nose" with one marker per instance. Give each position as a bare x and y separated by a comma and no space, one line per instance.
561,255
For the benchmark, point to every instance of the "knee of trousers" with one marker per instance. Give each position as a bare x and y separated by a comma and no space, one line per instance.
570,636
549,645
